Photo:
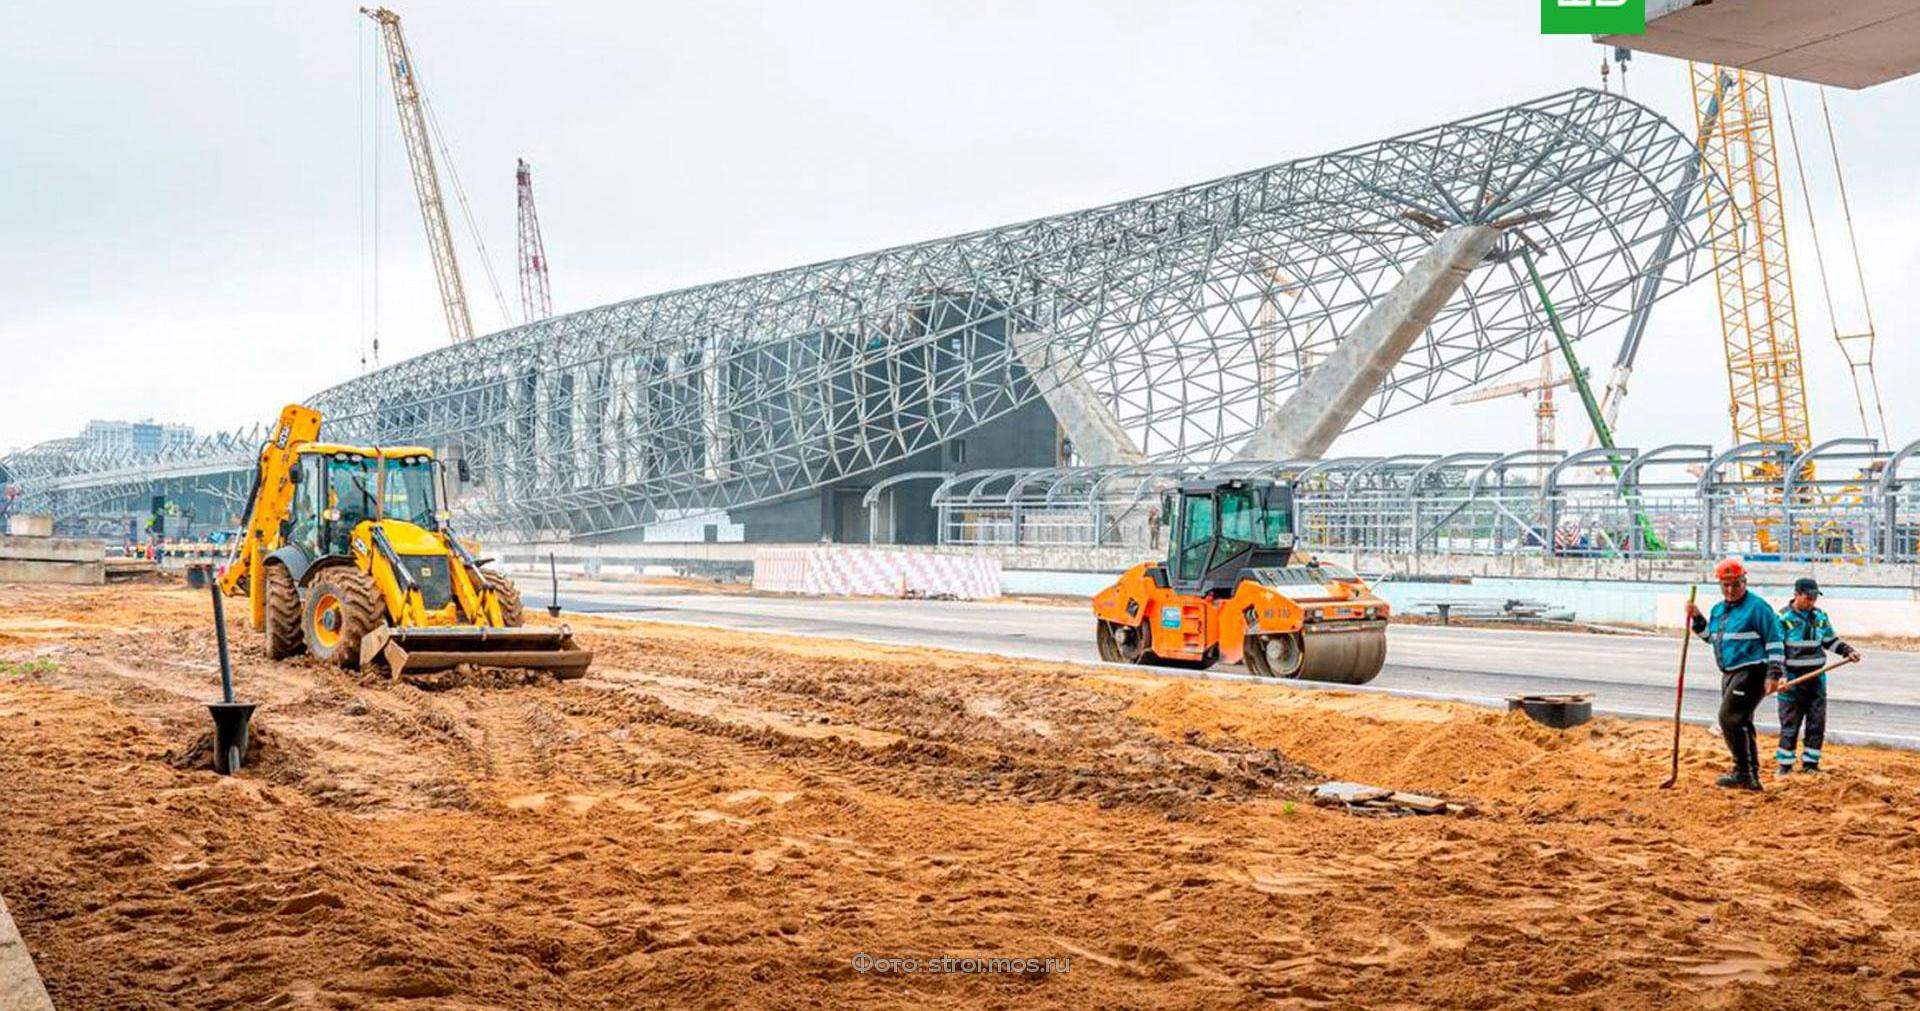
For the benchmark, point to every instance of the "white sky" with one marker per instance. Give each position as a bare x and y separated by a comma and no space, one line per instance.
180,203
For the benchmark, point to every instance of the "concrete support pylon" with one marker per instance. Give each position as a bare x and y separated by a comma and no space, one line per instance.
1326,401
1097,436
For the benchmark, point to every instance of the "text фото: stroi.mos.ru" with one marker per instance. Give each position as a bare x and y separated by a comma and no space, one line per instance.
949,964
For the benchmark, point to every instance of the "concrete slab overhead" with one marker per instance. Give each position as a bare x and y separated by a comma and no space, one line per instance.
20,986
1845,43
1322,406
1097,436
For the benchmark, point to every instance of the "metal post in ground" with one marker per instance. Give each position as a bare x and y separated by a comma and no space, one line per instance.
230,718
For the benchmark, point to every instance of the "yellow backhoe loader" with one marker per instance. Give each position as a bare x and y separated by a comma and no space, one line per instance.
348,553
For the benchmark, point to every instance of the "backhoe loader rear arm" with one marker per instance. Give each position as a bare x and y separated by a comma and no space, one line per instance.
272,495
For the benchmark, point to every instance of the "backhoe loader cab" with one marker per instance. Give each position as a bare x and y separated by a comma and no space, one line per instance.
349,554
1230,590
335,488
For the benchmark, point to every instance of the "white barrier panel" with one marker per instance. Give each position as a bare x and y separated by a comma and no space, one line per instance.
781,570
862,572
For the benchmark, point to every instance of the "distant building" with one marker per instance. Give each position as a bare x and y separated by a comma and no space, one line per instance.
109,436
139,438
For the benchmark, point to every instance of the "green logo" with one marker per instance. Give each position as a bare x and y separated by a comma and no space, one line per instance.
1593,17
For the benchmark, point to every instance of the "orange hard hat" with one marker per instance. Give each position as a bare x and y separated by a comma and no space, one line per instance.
1730,569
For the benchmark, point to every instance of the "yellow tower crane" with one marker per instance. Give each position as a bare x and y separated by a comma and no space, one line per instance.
426,179
1768,392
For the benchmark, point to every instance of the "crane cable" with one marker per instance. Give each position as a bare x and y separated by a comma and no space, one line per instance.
1820,261
1859,270
466,210
369,192
360,143
371,126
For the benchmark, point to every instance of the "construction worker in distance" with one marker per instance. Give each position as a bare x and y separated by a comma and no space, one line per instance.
1750,649
1809,636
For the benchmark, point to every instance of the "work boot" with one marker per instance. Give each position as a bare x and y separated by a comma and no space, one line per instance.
1809,768
1731,780
1786,770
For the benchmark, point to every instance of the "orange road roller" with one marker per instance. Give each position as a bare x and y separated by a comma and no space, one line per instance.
1231,590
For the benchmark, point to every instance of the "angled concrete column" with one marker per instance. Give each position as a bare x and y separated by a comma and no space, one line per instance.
1096,433
1323,404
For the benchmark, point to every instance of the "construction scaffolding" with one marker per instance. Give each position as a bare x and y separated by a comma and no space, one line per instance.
1683,501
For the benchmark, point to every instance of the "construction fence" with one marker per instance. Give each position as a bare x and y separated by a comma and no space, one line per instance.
1841,500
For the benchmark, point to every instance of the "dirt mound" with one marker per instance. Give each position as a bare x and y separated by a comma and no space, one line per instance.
271,756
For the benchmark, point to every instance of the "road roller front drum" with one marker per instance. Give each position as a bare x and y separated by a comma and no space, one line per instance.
1345,655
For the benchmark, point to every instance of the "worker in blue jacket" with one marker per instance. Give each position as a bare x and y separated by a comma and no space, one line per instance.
1750,648
1809,636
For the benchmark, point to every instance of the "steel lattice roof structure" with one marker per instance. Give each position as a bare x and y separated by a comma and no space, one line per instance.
1190,312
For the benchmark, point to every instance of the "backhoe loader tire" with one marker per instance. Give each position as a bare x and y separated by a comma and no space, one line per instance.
342,606
284,638
512,611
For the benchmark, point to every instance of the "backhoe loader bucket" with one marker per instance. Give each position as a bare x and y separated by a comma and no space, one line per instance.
425,650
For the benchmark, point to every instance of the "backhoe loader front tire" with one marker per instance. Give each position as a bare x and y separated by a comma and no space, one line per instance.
342,606
512,611
284,638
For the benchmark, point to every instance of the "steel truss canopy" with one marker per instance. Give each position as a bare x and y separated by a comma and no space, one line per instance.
1846,43
1191,314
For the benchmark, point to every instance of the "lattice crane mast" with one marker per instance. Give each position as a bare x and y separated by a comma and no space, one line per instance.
1766,384
536,298
426,178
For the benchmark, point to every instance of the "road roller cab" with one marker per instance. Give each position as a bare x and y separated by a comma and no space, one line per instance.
1231,590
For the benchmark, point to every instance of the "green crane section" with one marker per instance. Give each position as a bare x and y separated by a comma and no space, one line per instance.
1601,432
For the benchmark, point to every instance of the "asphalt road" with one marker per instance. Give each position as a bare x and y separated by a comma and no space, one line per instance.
1878,700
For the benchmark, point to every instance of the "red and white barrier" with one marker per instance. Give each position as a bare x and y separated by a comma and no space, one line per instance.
864,572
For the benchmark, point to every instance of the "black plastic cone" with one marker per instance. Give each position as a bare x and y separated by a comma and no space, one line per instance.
230,735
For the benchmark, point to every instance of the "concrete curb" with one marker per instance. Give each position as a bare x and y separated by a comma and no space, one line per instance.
20,986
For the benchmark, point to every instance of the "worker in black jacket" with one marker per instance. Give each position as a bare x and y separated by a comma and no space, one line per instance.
1809,636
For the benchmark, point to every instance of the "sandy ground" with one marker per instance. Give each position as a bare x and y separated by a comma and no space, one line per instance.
722,822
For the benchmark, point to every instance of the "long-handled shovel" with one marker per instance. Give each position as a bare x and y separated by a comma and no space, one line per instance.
1680,687
1804,678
